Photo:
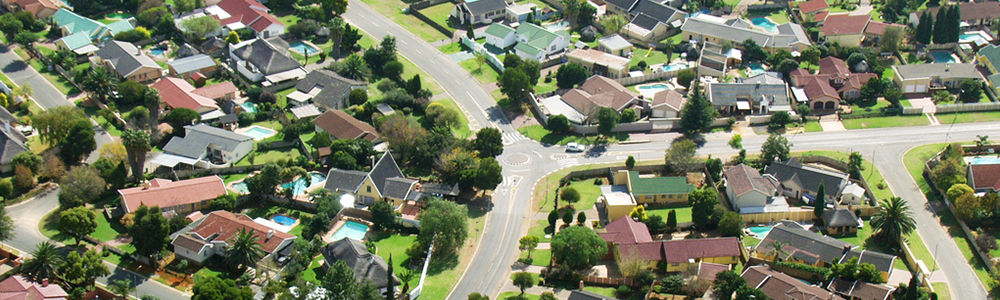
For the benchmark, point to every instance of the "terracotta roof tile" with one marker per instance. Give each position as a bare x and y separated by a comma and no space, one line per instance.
227,225
626,231
973,10
779,285
878,28
165,193
177,93
216,91
342,125
813,6
844,24
985,176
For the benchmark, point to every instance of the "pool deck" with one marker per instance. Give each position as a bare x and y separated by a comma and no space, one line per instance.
328,237
310,44
248,128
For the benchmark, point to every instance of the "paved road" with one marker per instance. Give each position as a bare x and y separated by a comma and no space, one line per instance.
505,224
46,95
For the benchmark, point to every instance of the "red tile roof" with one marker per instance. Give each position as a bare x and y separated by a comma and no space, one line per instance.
626,231
985,176
176,93
36,6
342,125
216,91
817,86
682,251
779,285
844,24
878,28
834,67
821,16
670,98
972,11
813,6
227,225
707,271
197,75
249,13
743,179
18,287
165,193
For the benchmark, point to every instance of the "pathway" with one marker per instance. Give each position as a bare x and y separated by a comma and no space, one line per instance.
830,123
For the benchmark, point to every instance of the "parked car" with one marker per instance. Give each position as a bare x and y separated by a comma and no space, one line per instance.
574,147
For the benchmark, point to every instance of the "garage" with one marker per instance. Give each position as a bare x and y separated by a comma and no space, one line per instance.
921,88
915,88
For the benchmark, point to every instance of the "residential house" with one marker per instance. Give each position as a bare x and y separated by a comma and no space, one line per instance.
210,235
711,61
127,61
757,96
533,41
214,47
365,265
616,45
305,112
385,182
42,9
925,78
236,15
181,197
178,93
751,192
79,43
807,247
205,146
860,290
834,82
707,271
617,202
479,11
799,180
846,29
326,89
853,194
500,35
841,221
585,295
667,104
199,63
812,10
600,63
19,287
989,58
648,20
265,60
341,125
654,189
518,13
12,141
71,24
984,177
974,14
599,91
628,239
777,285
790,36
876,29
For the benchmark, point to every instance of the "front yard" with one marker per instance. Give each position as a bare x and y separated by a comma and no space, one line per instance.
881,122
393,9
541,134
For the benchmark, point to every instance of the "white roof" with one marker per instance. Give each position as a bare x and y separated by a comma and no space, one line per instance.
272,225
635,74
214,114
556,106
617,195
299,96
800,94
86,49
743,105
854,189
293,73
305,111
170,160
217,11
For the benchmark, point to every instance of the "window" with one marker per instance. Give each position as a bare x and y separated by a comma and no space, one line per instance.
369,188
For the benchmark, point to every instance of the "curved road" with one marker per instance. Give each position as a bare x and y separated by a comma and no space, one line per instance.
495,256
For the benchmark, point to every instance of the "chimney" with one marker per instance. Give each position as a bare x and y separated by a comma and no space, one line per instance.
581,285
45,282
270,233
847,248
6,126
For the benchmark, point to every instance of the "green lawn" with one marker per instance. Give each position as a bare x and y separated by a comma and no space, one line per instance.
677,39
484,73
7,81
654,57
968,117
462,129
914,162
273,155
409,69
941,288
439,13
545,87
589,192
517,296
107,229
539,258
812,126
392,9
881,122
541,134
683,213
540,229
869,106
314,272
49,227
888,73
57,80
751,241
452,48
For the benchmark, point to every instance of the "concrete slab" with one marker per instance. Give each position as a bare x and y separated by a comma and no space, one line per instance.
830,123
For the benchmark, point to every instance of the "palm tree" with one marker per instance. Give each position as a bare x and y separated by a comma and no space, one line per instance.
100,83
137,143
243,249
23,91
122,287
778,251
983,140
151,99
894,220
336,27
356,68
44,262
406,275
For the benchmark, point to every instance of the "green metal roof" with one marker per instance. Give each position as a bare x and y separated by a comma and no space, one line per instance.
499,30
658,185
74,23
992,54
995,79
76,40
527,48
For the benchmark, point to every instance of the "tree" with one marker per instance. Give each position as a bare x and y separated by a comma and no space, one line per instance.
685,77
820,203
924,30
28,159
184,6
81,185
545,296
811,55
941,23
54,124
558,124
703,202
233,38
959,190
581,218
514,84
571,9
855,164
122,288
137,144
448,221
333,8
776,147
954,22
478,296
736,142
726,283
607,119
413,86
779,120
523,280
569,75
569,194
200,27
967,207
383,216
872,89
627,116
893,220
680,156
78,143
10,25
263,184
671,220
7,227
567,216
393,70
215,288
868,272
488,142
52,169
180,117
43,263
25,38
892,94
489,175
891,38
713,166
83,269
731,224
578,247
971,91
243,250
855,58
553,218
528,243
77,222
630,162
356,68
752,51
697,115
154,229
586,14
613,23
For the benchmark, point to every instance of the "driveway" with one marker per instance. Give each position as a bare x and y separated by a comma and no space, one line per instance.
830,123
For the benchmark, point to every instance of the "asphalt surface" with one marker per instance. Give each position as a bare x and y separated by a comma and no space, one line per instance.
497,253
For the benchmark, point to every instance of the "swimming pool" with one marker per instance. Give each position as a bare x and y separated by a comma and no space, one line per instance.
982,160
760,231
941,57
249,107
299,185
658,86
352,230
118,15
284,220
157,51
972,36
650,89
765,23
259,132
756,69
241,188
674,67
304,48
557,26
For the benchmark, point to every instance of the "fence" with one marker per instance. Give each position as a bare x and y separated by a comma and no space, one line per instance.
913,110
950,108
202,172
414,10
648,77
480,49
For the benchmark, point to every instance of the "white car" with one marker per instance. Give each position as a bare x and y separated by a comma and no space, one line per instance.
574,147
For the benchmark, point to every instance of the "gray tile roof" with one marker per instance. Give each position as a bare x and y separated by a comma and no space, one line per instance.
441,189
802,243
656,10
365,265
198,137
13,143
881,261
213,43
794,173
192,63
765,78
938,70
645,21
344,180
334,89
397,187
484,6
726,94
384,169
187,50
125,57
270,56
738,34
625,4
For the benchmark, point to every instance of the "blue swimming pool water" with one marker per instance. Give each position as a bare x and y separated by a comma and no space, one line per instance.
760,231
557,26
352,230
984,160
249,107
284,220
156,51
765,23
304,48
755,69
658,86
943,57
964,38
241,188
259,132
668,68
299,185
